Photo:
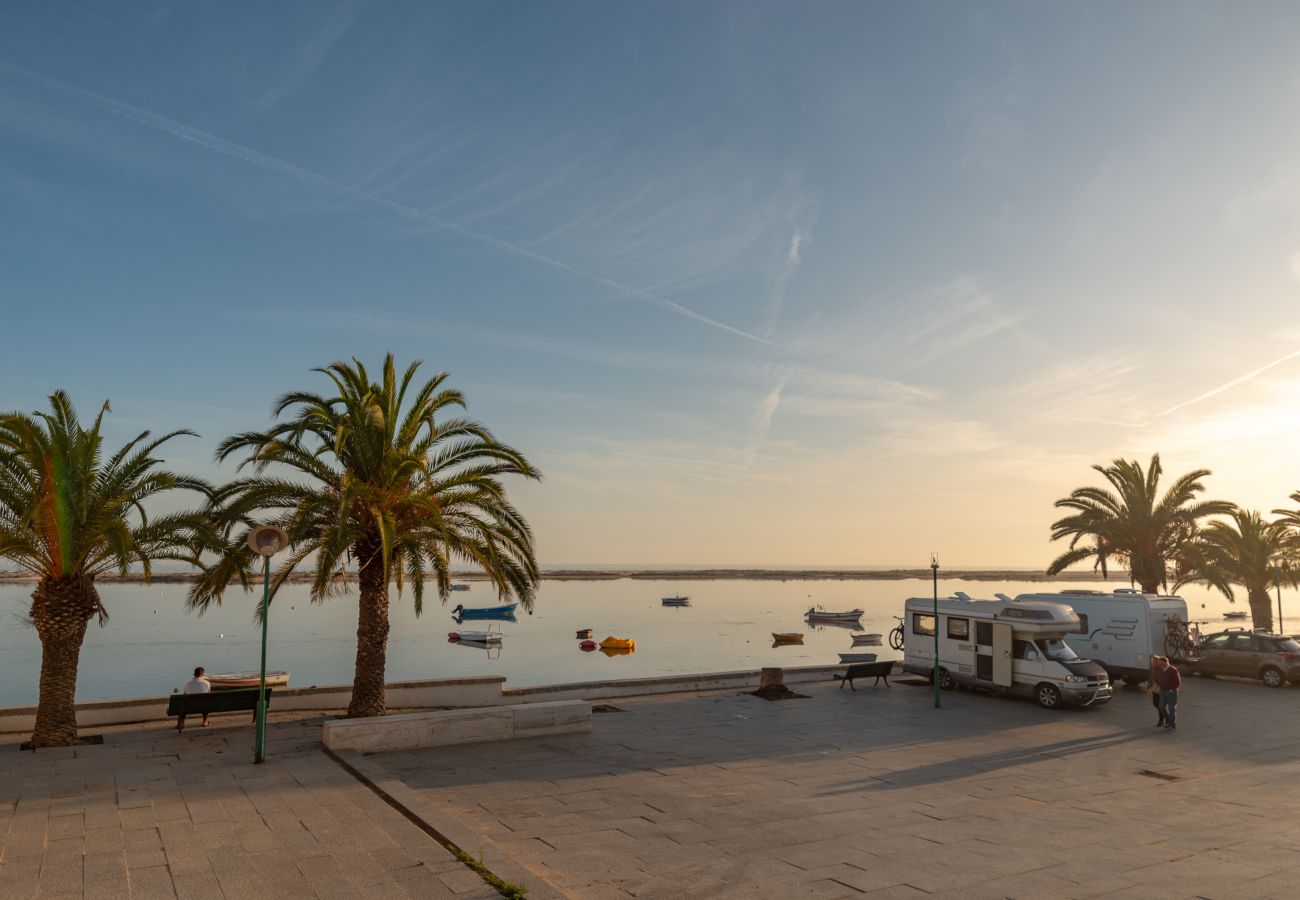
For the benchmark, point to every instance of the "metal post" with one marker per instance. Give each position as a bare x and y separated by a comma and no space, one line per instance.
1277,580
934,569
259,731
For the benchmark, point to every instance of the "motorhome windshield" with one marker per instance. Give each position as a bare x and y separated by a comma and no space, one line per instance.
1055,648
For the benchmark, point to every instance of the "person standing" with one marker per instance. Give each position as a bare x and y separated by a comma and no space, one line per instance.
1168,680
198,685
1154,691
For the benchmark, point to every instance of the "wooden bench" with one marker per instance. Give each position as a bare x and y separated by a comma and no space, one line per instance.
876,670
183,705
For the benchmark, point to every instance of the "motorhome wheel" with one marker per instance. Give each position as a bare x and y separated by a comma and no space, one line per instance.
1048,696
1133,680
945,680
1272,676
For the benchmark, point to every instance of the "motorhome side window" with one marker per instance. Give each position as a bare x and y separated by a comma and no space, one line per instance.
1083,623
922,624
959,629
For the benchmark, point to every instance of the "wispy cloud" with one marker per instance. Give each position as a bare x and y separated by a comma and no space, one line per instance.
1236,382
801,235
762,420
300,63
958,315
252,157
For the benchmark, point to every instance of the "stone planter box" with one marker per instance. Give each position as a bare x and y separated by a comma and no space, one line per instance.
441,728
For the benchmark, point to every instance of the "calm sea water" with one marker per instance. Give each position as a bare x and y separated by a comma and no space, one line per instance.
151,644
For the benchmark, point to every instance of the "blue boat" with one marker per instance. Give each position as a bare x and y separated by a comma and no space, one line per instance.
486,612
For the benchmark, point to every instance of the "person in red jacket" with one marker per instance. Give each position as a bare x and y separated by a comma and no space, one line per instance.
1168,680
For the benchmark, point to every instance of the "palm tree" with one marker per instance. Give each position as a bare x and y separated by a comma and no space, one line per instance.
1290,517
378,477
1131,523
1246,551
67,516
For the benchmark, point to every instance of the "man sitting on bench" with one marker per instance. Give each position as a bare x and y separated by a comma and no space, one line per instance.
199,685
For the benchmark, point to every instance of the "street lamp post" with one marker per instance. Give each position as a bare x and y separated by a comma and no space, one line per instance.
934,570
265,541
1277,582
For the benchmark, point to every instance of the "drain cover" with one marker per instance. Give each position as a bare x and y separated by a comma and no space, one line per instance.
1159,775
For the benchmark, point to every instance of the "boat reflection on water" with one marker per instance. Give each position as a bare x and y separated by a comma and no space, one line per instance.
492,649
819,624
618,651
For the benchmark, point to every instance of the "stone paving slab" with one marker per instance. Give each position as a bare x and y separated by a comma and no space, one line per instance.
155,814
877,793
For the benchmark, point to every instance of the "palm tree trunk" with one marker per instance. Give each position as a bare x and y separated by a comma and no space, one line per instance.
1261,608
372,632
61,610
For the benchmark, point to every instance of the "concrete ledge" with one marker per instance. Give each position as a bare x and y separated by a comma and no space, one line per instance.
444,692
667,684
442,728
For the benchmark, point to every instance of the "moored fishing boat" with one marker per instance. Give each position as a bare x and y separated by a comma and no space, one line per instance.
857,657
825,615
460,586
476,637
869,640
613,643
676,601
504,611
228,681
787,637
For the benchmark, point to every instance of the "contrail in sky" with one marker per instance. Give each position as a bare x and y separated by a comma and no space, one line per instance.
1232,384
261,160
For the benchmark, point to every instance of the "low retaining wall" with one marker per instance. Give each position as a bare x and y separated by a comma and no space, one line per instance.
443,728
457,693
453,692
667,684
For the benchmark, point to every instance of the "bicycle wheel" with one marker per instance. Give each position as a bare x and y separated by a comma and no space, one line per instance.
896,638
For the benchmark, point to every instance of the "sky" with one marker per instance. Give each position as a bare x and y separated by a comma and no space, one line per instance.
762,284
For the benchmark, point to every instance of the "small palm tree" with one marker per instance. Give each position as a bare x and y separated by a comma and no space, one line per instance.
1132,523
380,478
1247,551
68,516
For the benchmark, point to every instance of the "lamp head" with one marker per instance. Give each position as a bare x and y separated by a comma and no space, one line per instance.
268,540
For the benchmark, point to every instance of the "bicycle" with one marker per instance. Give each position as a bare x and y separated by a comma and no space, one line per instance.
896,635
1181,639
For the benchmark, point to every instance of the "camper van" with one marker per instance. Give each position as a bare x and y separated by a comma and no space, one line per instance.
1123,629
1005,645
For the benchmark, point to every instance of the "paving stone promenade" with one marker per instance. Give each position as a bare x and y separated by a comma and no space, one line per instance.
709,795
153,814
877,793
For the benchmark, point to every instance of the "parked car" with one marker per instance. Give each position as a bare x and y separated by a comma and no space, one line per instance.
1272,658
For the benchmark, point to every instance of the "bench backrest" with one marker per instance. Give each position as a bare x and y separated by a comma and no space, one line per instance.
870,670
215,701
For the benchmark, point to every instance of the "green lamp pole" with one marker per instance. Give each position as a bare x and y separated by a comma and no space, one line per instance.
1277,582
265,542
934,570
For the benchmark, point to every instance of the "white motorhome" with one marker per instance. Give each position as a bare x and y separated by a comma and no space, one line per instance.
1004,645
1123,629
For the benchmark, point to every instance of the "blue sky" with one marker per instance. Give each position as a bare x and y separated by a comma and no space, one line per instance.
753,283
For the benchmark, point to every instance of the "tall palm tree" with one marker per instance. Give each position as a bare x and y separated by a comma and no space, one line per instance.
1290,517
68,516
1247,551
1131,523
374,474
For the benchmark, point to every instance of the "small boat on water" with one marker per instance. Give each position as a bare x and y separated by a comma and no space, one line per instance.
486,612
229,682
857,657
676,601
476,637
825,615
869,640
584,634
460,586
1236,614
613,643
787,637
